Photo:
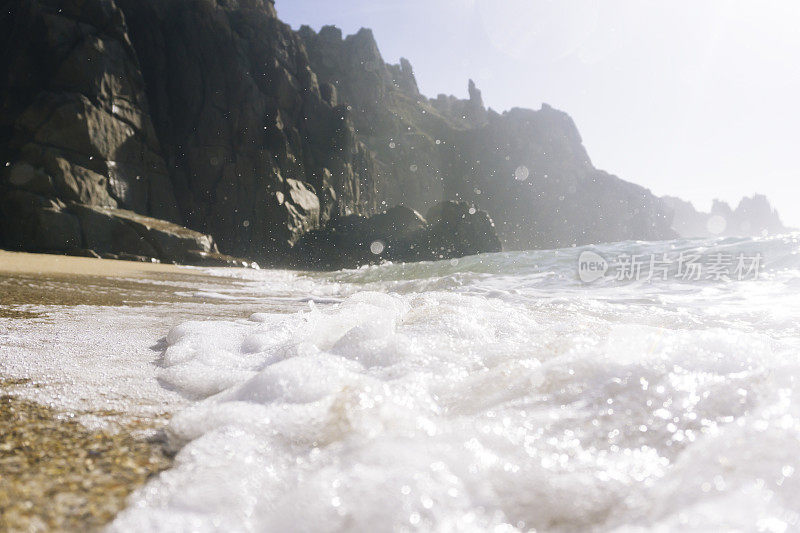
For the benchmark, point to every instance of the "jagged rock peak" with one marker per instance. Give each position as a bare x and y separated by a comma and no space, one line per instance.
403,77
364,35
405,66
475,96
328,33
720,207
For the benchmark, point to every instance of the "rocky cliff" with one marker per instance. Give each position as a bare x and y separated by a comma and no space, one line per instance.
213,119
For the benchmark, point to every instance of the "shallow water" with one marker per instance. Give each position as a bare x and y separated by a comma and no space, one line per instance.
495,392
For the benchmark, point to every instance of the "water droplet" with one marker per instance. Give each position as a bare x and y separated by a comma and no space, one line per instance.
246,223
377,247
413,168
522,173
472,210
392,145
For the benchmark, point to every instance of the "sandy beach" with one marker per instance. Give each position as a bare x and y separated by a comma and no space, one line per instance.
81,405
47,264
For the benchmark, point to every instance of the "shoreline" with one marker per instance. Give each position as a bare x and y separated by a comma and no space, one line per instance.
81,409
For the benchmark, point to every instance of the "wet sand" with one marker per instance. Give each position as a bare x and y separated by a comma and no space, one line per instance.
80,405
56,280
58,475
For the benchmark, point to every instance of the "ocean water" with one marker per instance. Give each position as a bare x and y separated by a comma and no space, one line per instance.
492,393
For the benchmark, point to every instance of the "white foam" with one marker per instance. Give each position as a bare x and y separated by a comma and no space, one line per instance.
89,359
485,406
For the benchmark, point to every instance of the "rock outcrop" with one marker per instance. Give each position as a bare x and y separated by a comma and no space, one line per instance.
754,216
531,171
39,224
400,234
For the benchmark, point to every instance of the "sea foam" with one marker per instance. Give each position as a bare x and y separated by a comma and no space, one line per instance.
453,398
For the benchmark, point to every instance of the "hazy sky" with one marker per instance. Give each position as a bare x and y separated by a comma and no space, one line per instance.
699,99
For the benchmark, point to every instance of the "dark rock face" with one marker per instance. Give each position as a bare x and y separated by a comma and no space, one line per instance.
453,229
396,223
36,224
252,146
754,216
390,118
121,231
353,240
257,150
74,122
457,229
82,157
